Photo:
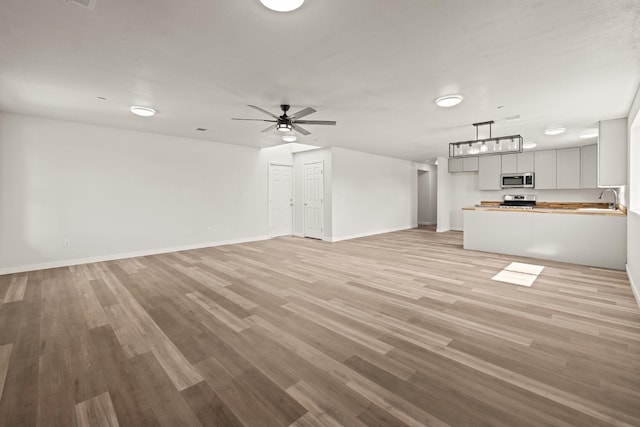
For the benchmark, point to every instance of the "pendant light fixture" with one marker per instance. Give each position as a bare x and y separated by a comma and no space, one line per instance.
487,146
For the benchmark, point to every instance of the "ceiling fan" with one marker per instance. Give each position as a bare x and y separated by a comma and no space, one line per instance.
285,123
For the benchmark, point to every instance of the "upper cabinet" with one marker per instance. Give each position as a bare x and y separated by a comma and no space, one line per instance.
489,171
509,163
465,164
525,162
612,153
568,168
588,166
517,163
545,168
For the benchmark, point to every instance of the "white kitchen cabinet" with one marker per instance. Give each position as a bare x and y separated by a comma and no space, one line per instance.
470,164
455,165
612,153
517,163
589,166
544,163
568,168
489,171
465,164
524,162
510,163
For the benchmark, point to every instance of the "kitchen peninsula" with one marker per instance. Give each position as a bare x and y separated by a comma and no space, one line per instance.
561,232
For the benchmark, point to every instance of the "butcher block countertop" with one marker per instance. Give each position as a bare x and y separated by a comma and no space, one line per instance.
572,208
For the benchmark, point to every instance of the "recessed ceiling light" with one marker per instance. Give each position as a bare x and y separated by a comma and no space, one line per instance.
529,145
289,138
554,131
142,111
589,133
282,5
449,100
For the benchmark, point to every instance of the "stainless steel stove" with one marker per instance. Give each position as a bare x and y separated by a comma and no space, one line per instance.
516,207
518,201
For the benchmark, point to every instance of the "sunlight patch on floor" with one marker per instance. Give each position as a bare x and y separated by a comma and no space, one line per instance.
519,274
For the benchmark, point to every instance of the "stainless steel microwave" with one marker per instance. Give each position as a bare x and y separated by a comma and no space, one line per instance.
517,180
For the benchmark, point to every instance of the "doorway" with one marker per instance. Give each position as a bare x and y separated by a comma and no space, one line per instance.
313,200
280,200
427,197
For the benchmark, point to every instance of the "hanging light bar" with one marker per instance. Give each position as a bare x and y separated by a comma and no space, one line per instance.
488,146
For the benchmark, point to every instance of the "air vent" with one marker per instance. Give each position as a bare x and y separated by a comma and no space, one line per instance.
515,118
89,4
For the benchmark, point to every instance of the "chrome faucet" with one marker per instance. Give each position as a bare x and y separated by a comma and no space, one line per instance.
613,205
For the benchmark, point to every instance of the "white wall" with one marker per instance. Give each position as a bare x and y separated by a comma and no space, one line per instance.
114,193
445,189
633,190
312,156
372,194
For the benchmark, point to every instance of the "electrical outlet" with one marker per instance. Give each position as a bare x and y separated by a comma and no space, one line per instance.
66,243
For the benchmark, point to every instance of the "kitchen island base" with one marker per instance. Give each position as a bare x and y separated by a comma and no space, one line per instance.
594,240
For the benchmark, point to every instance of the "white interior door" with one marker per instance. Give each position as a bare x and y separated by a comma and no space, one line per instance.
280,200
313,193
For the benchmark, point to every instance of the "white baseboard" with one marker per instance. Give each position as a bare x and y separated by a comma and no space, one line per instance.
369,233
634,286
427,223
298,235
113,257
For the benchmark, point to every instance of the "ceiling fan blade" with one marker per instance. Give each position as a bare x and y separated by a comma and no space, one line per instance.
264,111
255,120
303,113
299,129
270,128
316,122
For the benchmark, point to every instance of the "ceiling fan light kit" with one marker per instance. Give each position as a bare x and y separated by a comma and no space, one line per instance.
284,127
282,5
487,146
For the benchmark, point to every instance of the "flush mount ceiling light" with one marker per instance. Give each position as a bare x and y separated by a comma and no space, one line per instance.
449,101
529,145
589,133
554,131
282,5
290,138
142,111
487,146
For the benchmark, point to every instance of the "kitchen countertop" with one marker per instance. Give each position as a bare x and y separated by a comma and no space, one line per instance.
547,210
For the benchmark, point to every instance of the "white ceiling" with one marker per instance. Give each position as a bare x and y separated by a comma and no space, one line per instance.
375,66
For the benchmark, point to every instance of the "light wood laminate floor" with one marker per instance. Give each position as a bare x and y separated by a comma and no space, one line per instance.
404,328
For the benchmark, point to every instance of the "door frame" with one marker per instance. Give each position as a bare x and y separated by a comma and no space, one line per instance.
304,197
293,194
